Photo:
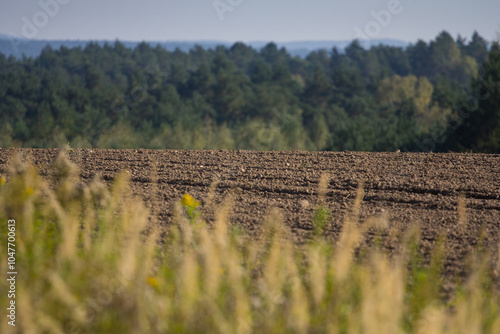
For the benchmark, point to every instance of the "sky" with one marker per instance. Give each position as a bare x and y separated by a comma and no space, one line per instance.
248,20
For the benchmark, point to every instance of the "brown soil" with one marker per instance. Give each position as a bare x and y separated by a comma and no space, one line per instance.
420,189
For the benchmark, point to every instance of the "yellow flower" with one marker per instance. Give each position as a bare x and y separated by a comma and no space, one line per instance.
152,281
29,191
2,181
189,201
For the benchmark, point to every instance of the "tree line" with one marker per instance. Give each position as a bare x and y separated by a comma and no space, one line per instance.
438,95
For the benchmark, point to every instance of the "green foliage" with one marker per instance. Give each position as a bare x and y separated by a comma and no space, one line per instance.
475,122
384,98
321,220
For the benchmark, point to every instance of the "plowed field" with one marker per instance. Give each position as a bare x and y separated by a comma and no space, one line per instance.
408,189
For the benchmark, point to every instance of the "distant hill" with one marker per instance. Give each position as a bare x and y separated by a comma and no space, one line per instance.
31,48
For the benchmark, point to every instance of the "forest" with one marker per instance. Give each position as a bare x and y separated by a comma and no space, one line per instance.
442,95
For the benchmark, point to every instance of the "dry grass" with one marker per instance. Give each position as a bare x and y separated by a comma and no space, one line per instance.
91,260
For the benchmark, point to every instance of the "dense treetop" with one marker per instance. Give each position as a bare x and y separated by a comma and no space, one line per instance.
430,96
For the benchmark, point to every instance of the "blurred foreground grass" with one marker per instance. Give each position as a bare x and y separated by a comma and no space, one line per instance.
91,259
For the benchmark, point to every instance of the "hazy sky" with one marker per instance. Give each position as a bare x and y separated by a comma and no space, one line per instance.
248,20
